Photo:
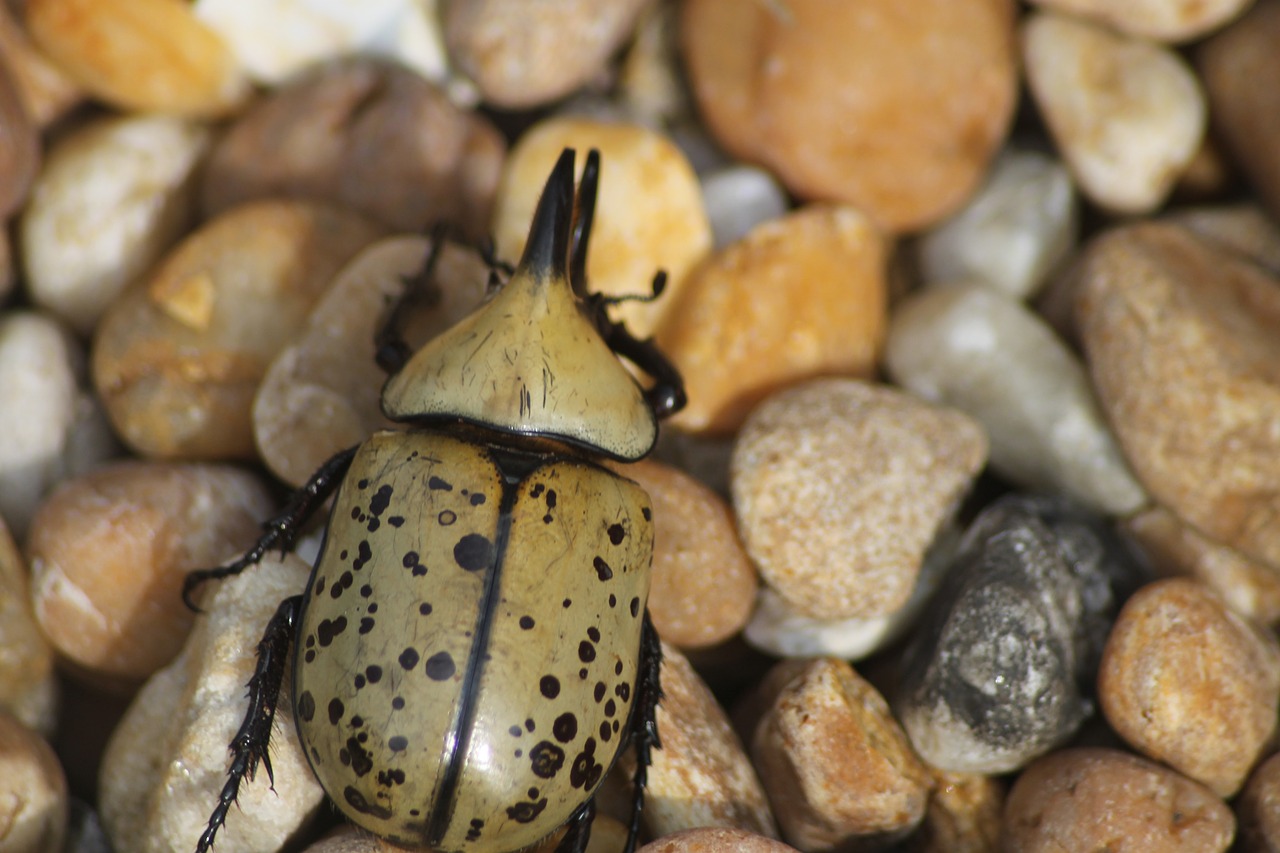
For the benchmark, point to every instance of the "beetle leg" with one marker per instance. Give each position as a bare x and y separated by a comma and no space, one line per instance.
282,530
249,746
667,394
579,833
421,290
644,722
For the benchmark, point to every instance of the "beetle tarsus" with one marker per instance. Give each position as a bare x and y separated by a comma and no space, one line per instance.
281,531
644,722
666,395
249,746
579,832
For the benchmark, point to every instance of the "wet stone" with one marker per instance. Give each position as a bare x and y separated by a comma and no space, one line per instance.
992,679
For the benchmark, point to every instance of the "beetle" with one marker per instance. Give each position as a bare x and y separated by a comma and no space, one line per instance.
473,649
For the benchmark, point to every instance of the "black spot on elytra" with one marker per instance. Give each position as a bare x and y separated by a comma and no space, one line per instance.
395,520
362,483
477,499
409,658
528,725
526,812
359,681
537,490
635,607
610,708
593,633
473,552
515,731
446,517
617,668
436,484
397,743
616,533
412,561
605,732
647,513
363,555
613,600
361,761
550,686
387,778
566,603
357,801
546,759
330,628
309,656
397,703
424,609
599,692
603,570
381,500
586,652
440,667
306,706
623,691
366,591
319,587
585,772
336,710
526,622
565,728
373,672
366,624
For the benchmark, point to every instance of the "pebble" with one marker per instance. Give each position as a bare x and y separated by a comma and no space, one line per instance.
812,288
276,41
1126,114
321,392
46,92
28,685
523,55
112,197
779,629
7,277
703,587
650,85
649,215
367,135
109,551
989,356
140,55
178,357
50,428
1158,20
963,816
1248,587
738,198
702,775
1231,64
715,840
19,146
1017,229
1242,228
167,760
1188,682
990,681
840,486
836,765
1258,808
1098,799
33,792
827,96
1181,342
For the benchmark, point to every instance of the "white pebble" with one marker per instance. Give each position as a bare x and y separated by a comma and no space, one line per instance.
738,198
1127,114
1158,20
987,355
112,197
277,39
50,428
1010,235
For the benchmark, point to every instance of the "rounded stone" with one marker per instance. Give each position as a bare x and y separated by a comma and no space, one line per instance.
109,551
989,356
367,135
19,145
797,297
28,683
738,198
835,763
179,356
46,92
33,791
716,840
1180,339
1258,808
1159,20
1127,115
702,587
1188,682
113,196
1091,798
649,212
840,486
829,98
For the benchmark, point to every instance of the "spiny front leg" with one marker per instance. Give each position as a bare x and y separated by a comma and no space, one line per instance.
251,742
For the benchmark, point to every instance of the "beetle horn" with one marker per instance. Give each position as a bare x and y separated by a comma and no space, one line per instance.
546,253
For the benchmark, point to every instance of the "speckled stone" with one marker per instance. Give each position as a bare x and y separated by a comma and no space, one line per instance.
1243,228
1100,799
988,355
963,815
992,678
1182,340
836,765
1246,114
1127,115
840,486
1188,682
1012,233
167,760
702,775
1176,548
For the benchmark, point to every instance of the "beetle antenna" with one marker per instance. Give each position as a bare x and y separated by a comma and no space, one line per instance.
655,290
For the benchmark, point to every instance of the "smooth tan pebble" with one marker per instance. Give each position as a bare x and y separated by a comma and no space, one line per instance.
33,791
28,685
